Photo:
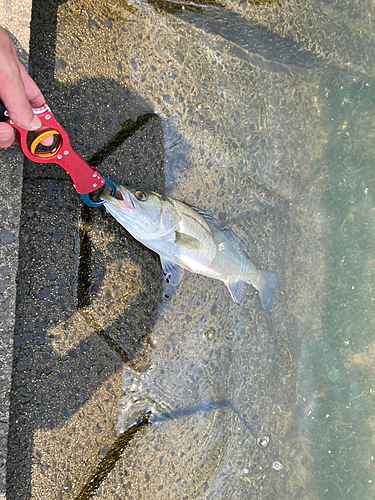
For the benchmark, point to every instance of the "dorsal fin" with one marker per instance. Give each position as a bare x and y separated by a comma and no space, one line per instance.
232,237
206,214
267,284
237,241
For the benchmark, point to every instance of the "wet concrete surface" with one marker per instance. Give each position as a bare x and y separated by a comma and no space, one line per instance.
69,355
121,279
65,380
68,360
91,301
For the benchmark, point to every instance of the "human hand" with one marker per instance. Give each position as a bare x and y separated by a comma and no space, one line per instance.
18,92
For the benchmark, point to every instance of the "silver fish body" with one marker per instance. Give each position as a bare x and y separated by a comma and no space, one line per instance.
188,238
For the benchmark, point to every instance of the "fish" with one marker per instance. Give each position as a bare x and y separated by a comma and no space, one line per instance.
188,238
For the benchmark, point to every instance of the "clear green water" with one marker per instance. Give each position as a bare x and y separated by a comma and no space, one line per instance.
268,121
337,374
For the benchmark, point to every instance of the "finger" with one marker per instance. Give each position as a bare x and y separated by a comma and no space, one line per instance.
47,141
35,98
6,135
12,89
32,91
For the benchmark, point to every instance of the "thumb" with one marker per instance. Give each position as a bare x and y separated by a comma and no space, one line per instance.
21,114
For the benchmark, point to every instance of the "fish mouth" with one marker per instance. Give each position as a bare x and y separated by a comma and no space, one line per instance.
121,195
118,195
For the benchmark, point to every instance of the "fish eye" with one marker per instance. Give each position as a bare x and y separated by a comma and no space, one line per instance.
140,195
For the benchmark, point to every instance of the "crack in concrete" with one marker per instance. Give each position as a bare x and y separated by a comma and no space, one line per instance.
109,461
129,128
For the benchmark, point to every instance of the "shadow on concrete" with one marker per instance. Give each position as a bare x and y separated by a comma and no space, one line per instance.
60,360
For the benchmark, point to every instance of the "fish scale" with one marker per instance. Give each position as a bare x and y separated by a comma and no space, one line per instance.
200,230
186,238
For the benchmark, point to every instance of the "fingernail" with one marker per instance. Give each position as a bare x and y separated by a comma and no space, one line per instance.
6,134
35,123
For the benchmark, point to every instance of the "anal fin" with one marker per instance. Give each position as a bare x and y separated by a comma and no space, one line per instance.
236,291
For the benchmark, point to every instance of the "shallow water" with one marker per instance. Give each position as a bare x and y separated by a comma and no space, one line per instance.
267,115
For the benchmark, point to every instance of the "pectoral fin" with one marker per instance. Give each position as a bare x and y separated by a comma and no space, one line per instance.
173,272
236,291
185,241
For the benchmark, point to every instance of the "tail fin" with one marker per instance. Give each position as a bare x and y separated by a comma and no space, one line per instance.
267,284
